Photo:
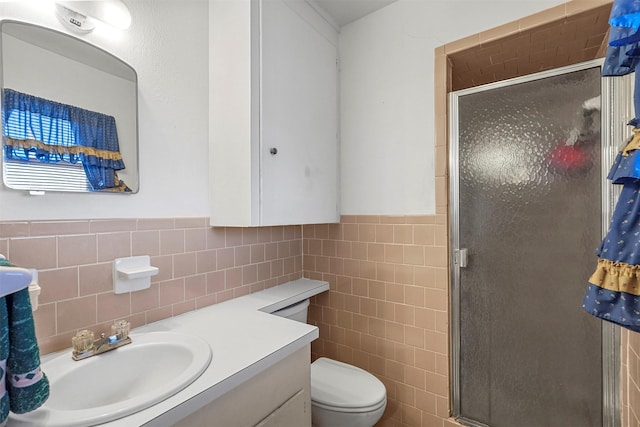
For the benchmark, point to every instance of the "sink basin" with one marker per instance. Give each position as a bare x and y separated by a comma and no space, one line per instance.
155,366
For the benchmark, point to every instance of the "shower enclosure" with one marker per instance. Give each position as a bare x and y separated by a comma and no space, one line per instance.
529,205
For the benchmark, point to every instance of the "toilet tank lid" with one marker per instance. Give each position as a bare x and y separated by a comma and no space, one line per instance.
338,384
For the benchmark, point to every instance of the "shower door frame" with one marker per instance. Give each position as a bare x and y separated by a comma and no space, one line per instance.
614,107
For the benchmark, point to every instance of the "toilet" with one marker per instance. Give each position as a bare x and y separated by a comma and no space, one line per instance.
341,394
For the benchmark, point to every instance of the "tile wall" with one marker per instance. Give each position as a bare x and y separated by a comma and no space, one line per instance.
199,266
387,310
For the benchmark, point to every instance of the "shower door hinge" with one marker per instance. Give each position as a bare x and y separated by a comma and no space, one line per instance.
460,257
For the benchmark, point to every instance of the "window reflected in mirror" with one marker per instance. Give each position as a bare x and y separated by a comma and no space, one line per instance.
69,114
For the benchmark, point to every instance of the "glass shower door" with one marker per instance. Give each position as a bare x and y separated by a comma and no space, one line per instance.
529,215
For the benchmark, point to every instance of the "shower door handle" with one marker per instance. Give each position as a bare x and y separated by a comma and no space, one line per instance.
461,257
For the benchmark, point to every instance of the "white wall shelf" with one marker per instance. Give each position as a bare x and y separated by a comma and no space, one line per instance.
132,274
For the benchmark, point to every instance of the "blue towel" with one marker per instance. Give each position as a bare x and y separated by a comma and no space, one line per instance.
27,387
4,355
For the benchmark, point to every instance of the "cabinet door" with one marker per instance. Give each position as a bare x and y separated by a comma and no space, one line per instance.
293,412
299,110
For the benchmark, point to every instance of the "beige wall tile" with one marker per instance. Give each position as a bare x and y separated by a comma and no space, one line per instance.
394,254
257,253
367,232
233,278
77,250
113,245
184,265
171,242
205,301
271,251
14,229
424,234
414,255
264,235
58,284
426,401
277,268
57,228
145,243
403,234
384,233
195,286
111,225
383,271
113,307
385,310
414,336
156,223
195,239
146,299
403,274
249,274
233,237
436,342
194,222
242,255
39,253
184,307
426,319
216,237
159,314
215,282
206,260
75,314
225,258
171,292
414,295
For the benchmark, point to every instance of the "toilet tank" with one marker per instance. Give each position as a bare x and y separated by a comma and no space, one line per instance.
297,311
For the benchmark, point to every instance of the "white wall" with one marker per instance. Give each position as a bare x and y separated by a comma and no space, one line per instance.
387,114
167,44
386,107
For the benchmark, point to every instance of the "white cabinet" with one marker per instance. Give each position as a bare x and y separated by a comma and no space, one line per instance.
274,107
277,397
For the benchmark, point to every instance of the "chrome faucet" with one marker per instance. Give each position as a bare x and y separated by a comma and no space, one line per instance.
85,345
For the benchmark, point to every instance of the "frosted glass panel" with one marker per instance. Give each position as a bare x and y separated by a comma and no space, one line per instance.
530,216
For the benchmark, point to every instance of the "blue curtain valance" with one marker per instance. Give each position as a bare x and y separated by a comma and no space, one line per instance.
56,132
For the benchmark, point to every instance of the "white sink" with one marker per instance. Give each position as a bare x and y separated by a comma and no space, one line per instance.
155,366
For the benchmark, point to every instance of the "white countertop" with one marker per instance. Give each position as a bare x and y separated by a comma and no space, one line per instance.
245,340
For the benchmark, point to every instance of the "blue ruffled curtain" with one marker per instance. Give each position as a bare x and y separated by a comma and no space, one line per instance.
55,132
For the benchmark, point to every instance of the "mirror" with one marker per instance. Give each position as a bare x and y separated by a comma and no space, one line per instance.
49,65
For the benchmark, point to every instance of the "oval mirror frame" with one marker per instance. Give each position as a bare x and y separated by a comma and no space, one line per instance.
57,66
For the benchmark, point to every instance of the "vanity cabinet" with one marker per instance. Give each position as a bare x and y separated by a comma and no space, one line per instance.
273,146
279,396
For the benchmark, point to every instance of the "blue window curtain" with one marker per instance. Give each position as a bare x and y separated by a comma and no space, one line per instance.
52,132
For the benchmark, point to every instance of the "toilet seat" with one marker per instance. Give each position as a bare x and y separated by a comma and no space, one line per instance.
341,387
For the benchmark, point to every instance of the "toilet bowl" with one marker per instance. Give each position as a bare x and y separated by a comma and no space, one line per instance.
341,394
344,395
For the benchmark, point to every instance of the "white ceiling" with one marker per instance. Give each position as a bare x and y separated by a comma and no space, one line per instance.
346,11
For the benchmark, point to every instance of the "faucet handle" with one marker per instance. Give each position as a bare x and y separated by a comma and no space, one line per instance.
121,329
82,341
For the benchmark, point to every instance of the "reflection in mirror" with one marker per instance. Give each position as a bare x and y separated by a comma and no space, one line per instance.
69,114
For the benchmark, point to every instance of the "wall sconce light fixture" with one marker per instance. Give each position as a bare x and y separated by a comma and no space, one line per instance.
81,16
